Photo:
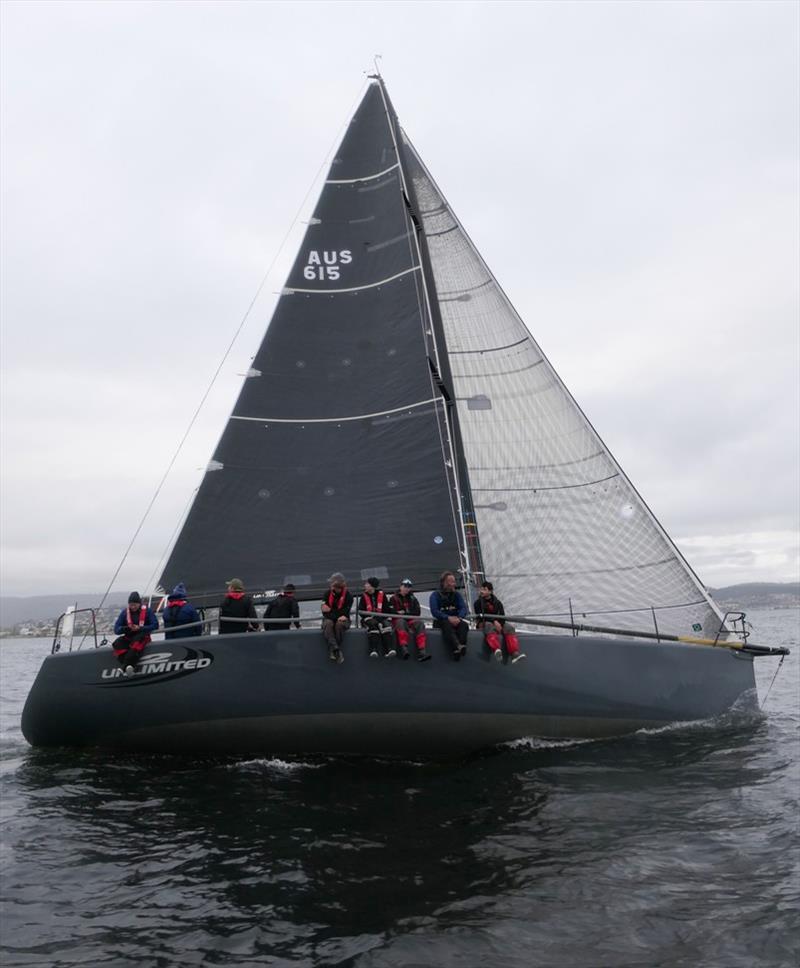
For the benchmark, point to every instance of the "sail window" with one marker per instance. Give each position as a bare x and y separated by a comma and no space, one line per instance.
438,539
479,402
378,571
297,580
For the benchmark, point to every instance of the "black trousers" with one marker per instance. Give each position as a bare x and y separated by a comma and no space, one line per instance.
379,629
454,636
334,631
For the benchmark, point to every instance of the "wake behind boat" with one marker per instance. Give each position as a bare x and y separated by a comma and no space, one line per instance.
399,419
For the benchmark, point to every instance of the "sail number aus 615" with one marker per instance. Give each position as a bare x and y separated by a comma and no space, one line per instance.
325,265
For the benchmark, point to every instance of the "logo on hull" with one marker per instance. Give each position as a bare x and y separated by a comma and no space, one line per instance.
159,666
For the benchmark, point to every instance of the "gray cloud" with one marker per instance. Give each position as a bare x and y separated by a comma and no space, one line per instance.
629,172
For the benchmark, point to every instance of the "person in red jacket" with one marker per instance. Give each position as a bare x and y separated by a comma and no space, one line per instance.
336,605
489,611
134,625
404,602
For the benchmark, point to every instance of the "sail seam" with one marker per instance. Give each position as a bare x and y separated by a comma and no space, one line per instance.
358,416
560,487
536,467
490,349
590,571
351,181
369,285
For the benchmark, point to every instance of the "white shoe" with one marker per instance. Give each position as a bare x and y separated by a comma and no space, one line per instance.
129,670
373,654
390,654
498,655
517,657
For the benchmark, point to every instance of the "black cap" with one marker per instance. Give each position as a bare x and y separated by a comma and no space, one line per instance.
134,598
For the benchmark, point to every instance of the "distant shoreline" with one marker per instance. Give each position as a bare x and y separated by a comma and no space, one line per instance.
35,616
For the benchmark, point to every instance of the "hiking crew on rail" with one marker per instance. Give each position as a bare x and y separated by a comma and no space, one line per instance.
390,621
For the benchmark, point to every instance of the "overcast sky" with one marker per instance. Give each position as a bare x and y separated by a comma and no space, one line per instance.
629,171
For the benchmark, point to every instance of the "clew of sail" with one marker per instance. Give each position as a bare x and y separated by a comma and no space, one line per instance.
562,529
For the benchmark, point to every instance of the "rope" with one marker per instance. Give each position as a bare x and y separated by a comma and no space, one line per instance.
763,704
228,350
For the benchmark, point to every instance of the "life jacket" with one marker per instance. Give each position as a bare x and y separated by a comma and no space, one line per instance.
377,606
340,603
447,601
129,619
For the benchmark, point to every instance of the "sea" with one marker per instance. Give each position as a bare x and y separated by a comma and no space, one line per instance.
662,849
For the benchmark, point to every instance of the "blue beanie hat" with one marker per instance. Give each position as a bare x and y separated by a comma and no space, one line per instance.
179,591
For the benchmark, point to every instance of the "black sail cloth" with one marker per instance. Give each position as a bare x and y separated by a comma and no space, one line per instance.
335,457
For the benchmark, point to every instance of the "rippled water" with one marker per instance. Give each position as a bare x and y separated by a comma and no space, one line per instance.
674,848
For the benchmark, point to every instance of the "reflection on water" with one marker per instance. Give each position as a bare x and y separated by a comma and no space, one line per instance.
669,847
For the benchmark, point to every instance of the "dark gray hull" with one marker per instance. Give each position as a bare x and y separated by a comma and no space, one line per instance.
278,693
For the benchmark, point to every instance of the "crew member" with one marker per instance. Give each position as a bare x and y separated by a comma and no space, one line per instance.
336,605
489,611
133,626
284,606
405,603
379,630
449,610
179,612
238,606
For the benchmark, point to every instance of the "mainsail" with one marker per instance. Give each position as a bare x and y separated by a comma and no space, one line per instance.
337,455
399,419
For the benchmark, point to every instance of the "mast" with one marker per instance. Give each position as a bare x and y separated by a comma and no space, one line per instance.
472,567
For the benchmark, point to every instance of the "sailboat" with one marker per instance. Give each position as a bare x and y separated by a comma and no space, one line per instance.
400,420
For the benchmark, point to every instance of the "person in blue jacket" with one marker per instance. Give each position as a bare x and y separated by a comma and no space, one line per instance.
178,612
449,610
133,626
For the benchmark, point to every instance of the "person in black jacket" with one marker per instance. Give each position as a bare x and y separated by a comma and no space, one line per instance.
336,605
178,612
489,611
284,606
405,603
236,605
379,631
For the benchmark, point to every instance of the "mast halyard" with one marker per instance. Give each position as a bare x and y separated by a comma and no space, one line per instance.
472,568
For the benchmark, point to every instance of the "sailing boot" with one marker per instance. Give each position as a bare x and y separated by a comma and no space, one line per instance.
389,651
373,637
